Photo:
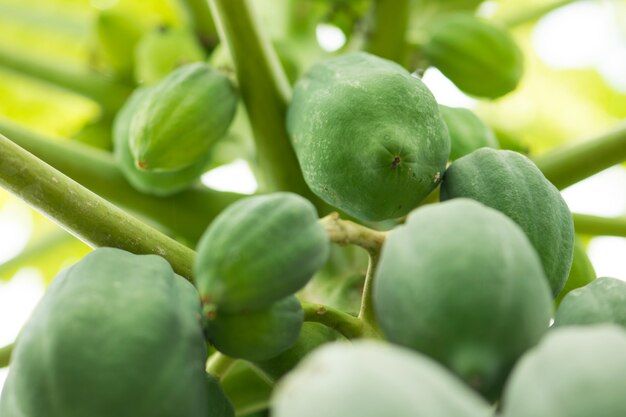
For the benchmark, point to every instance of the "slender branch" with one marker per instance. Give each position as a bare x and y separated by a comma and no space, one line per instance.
387,38
203,24
599,226
529,15
345,232
349,326
569,164
184,215
89,217
5,355
219,364
265,92
107,92
367,303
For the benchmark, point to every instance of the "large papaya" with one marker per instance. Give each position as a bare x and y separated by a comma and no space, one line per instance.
601,301
176,125
259,250
580,274
160,183
481,58
116,334
257,335
471,283
467,132
512,184
372,379
573,372
368,135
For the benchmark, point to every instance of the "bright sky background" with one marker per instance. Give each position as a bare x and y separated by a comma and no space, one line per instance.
568,38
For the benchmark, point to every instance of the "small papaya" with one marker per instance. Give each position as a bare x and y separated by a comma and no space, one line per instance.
176,125
479,57
511,183
159,183
473,285
368,135
574,372
117,34
257,335
162,50
467,131
115,334
580,274
259,250
372,379
601,301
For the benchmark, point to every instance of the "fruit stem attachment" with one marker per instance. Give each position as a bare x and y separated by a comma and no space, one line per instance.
586,224
345,232
349,326
219,364
569,164
83,213
5,355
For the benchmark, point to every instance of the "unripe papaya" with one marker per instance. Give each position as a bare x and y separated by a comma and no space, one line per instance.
372,379
574,372
259,250
162,50
473,286
160,183
176,125
467,132
478,57
368,135
257,335
312,336
116,334
580,274
512,184
116,36
219,404
601,301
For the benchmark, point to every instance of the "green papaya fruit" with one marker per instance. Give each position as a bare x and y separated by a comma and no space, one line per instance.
478,57
601,301
176,125
471,283
219,404
573,372
116,334
312,336
511,183
372,379
368,135
162,50
580,274
257,335
117,33
159,183
467,132
259,250
247,389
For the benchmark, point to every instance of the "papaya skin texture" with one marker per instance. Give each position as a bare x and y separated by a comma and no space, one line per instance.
116,334
511,183
368,135
576,371
259,250
471,284
372,379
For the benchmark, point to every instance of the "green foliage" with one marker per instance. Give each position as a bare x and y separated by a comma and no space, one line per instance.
512,184
445,268
467,132
368,135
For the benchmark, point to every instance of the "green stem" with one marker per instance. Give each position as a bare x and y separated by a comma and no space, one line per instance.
81,212
43,20
569,164
345,232
110,94
203,24
185,215
349,326
530,15
586,224
5,355
219,364
387,38
265,92
367,302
